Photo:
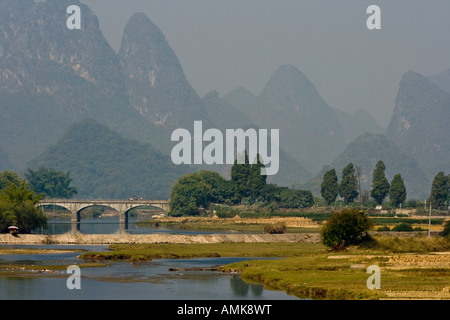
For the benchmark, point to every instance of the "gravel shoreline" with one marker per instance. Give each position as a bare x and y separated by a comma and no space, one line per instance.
155,238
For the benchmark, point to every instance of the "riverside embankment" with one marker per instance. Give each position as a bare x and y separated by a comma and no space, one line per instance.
155,238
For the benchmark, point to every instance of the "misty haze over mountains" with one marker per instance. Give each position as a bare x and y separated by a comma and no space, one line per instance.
52,79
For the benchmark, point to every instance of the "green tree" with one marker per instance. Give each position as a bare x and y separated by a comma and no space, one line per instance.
9,176
52,183
187,195
348,189
289,198
196,190
18,207
346,227
380,185
256,181
329,188
439,190
215,185
240,174
397,191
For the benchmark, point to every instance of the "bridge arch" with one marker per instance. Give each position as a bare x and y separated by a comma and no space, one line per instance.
123,207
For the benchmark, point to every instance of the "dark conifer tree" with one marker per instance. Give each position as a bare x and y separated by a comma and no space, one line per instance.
439,190
380,185
329,187
397,191
348,188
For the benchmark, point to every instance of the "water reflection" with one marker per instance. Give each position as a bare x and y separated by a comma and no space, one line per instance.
111,225
241,288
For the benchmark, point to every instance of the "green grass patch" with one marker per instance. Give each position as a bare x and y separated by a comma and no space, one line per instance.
416,244
142,252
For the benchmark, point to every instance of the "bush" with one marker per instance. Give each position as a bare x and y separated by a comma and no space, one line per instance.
403,227
346,227
446,231
277,228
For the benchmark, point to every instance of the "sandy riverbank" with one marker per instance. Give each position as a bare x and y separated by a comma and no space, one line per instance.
155,238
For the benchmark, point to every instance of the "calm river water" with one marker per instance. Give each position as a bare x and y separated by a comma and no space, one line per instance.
124,280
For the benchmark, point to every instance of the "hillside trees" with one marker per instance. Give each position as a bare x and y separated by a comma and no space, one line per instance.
7,177
51,183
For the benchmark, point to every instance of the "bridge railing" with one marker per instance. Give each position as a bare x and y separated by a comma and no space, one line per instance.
101,201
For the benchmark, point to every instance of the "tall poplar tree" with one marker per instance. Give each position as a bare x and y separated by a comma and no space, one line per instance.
397,191
380,185
329,188
439,190
348,188
256,181
240,174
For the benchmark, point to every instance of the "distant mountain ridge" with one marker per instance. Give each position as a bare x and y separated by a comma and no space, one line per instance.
419,123
156,84
442,80
52,78
311,131
357,123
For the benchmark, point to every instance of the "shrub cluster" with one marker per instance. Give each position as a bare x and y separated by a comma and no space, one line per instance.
446,231
346,227
275,228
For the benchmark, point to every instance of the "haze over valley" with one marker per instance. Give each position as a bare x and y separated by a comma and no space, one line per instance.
71,100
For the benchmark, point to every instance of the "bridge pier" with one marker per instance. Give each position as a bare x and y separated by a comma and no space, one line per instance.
75,222
123,222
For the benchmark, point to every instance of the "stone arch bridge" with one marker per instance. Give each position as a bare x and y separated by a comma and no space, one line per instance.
122,206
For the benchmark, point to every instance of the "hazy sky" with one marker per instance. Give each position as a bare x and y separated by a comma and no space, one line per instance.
224,44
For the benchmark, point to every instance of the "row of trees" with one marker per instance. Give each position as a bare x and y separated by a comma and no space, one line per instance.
246,185
381,188
348,188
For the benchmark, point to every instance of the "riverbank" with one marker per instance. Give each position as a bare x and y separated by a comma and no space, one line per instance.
411,267
415,267
87,239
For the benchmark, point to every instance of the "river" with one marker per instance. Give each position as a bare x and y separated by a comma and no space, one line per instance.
124,280
111,225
